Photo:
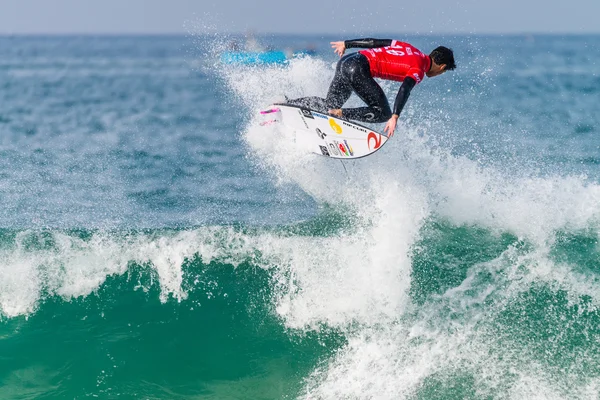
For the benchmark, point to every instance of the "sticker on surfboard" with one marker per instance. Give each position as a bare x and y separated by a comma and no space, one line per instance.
324,134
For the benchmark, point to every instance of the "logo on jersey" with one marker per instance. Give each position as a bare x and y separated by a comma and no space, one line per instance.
395,52
369,116
324,151
320,133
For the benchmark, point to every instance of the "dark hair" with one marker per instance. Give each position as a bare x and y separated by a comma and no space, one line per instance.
443,55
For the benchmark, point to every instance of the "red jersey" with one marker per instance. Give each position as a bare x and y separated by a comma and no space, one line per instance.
397,61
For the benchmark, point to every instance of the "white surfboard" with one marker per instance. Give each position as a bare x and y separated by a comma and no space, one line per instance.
324,134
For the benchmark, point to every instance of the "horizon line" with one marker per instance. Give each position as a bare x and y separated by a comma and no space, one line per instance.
266,33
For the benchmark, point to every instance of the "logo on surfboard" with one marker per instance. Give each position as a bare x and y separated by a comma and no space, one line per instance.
324,151
335,126
307,114
345,148
333,149
376,138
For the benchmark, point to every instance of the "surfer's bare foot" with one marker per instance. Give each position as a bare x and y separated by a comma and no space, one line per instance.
336,112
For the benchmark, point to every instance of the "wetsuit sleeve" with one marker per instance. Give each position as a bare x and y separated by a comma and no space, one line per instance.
367,43
403,94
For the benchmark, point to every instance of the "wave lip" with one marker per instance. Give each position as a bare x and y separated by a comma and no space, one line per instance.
40,264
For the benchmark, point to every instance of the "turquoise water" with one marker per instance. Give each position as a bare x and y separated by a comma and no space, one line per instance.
157,243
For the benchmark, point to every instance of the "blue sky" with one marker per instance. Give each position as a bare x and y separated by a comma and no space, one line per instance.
305,16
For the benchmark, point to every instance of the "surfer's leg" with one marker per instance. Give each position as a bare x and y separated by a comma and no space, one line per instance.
369,91
313,103
340,88
378,109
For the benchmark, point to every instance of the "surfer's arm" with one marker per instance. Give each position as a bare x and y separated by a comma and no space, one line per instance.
367,43
401,99
402,96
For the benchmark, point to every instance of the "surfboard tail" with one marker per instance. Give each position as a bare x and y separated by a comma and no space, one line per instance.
271,115
270,110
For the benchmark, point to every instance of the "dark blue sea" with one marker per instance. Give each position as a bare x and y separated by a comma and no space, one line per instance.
156,242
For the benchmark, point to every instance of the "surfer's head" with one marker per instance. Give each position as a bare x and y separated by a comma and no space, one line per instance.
442,60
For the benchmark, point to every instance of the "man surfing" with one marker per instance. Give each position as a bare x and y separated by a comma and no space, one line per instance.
385,59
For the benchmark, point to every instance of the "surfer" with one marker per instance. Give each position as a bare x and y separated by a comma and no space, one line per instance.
385,59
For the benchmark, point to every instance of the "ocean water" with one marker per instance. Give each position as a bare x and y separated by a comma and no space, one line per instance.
157,243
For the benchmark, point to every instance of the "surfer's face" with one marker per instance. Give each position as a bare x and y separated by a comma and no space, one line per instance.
436,70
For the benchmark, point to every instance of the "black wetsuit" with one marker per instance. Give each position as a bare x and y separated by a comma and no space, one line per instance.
353,74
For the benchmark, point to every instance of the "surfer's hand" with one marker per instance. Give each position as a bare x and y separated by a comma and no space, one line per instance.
338,48
390,127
